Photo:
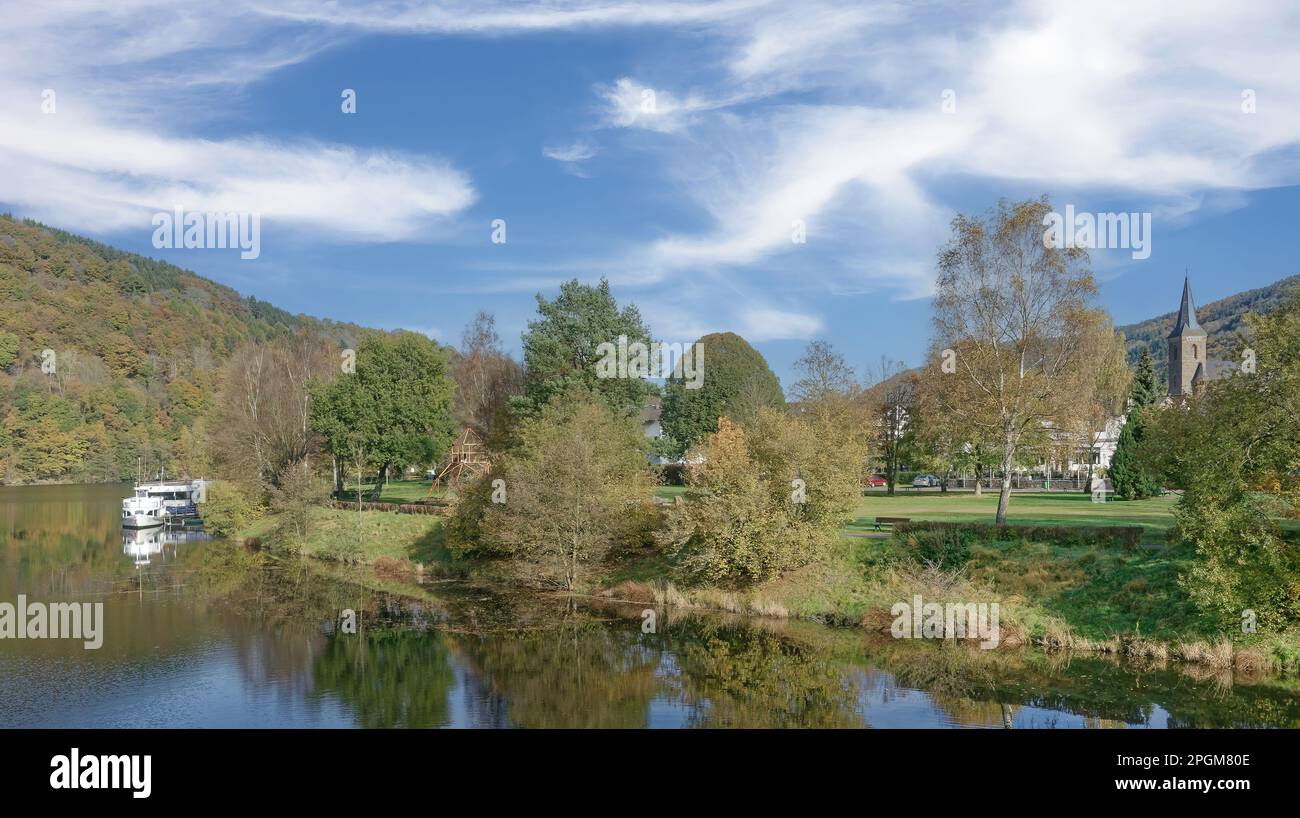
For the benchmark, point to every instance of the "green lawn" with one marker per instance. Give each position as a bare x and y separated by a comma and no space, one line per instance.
1041,508
395,491
339,534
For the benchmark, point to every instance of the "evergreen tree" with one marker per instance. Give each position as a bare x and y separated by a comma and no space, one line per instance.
739,383
1146,383
1127,477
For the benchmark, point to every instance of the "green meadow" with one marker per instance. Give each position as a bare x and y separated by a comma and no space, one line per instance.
1038,508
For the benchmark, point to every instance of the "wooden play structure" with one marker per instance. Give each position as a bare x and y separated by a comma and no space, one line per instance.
467,460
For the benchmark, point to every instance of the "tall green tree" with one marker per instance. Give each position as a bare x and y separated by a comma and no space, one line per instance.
1235,453
393,410
1146,382
1128,478
737,382
561,348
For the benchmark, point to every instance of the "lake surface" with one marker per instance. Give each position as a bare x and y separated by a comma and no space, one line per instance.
200,633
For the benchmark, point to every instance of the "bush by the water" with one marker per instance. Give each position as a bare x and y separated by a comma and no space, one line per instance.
231,507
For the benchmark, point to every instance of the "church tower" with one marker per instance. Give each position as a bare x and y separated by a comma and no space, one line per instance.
1187,356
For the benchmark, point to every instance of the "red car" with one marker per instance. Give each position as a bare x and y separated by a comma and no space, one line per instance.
876,481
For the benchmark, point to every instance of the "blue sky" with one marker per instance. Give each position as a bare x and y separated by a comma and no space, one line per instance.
762,114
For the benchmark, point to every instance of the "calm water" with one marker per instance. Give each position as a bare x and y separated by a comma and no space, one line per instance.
200,633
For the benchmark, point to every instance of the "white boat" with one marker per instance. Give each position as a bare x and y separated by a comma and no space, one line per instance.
155,503
143,512
180,498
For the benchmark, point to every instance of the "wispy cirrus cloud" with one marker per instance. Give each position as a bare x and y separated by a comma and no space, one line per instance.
71,169
92,139
826,113
1122,100
572,156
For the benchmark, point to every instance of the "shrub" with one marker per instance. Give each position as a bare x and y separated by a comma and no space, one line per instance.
299,491
1110,536
231,507
944,547
671,474
769,497
573,485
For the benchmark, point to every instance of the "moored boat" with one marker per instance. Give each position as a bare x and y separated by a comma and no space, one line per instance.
180,498
143,512
163,501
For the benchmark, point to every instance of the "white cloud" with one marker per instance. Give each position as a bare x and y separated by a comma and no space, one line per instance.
71,169
572,156
630,104
109,156
767,324
577,152
1127,100
482,16
825,111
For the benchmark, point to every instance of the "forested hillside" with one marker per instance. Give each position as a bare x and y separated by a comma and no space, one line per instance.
138,347
1222,319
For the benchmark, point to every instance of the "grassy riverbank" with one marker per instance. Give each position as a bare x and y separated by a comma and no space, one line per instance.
338,535
1072,596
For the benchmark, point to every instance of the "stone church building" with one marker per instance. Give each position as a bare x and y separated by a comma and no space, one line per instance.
1188,361
1189,368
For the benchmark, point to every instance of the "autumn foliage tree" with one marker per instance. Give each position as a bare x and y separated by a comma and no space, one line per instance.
573,487
1016,334
486,380
263,421
765,499
895,405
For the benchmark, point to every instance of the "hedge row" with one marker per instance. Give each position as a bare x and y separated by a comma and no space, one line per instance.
1107,536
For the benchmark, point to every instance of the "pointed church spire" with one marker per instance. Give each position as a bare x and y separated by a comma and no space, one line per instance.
1186,323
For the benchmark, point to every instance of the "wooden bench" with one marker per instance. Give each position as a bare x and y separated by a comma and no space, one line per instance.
889,521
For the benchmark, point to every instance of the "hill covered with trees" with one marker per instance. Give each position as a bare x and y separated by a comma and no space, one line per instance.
1222,319
110,359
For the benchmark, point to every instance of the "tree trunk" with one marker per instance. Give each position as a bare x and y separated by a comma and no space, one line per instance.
573,565
979,489
1004,496
380,479
338,478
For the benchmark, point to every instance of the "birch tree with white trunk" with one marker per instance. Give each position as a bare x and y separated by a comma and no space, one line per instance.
1017,317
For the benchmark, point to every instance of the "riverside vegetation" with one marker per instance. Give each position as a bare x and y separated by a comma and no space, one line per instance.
767,520
1098,596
